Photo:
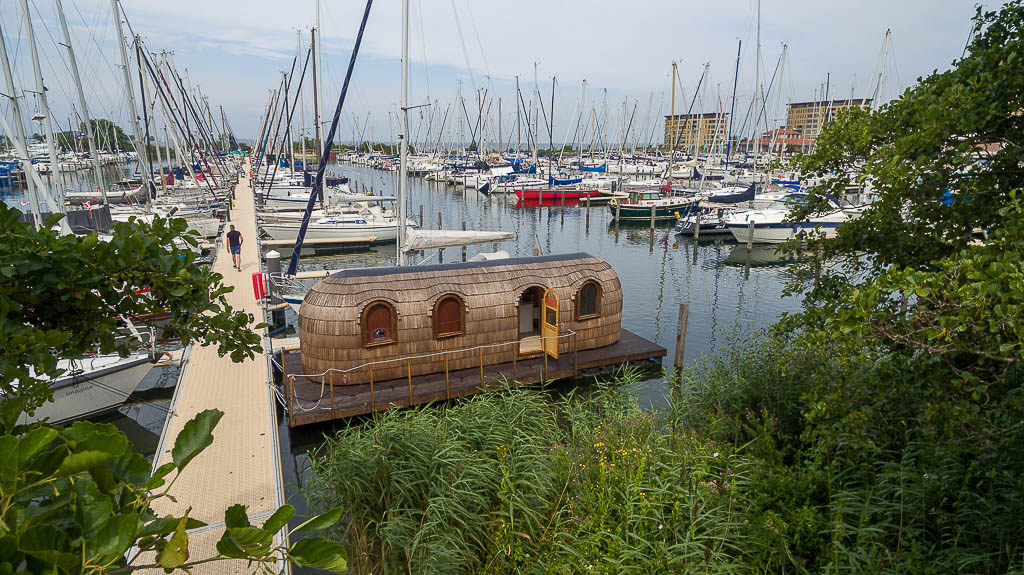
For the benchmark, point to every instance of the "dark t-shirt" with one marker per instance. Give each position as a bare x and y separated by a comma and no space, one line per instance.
234,238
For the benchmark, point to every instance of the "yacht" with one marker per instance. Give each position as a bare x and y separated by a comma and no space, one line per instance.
771,226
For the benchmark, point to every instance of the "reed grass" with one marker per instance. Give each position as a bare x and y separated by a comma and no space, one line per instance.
731,478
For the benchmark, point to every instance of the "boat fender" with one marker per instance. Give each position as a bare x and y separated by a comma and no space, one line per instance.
613,202
677,215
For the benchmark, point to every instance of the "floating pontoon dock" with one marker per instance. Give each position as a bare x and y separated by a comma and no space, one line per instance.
309,401
242,466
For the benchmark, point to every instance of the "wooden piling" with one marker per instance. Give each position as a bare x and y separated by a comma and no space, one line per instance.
463,247
653,208
696,225
440,251
684,315
750,236
421,216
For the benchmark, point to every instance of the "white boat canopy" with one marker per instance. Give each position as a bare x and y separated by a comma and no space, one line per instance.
416,239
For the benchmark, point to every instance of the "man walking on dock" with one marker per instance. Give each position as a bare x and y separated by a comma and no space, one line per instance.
235,246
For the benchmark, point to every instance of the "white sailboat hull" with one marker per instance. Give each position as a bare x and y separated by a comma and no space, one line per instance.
347,232
93,392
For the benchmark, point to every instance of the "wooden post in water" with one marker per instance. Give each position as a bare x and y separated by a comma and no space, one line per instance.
696,228
421,216
463,247
750,236
618,210
588,214
440,251
653,207
684,315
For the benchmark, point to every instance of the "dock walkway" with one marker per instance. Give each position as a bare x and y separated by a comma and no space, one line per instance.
242,466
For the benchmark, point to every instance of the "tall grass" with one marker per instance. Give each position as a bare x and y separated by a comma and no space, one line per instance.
736,476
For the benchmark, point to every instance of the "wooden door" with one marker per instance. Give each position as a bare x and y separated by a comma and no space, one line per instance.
549,323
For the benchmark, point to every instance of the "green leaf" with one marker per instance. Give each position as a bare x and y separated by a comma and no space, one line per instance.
49,544
92,509
164,525
319,553
30,443
196,436
157,479
235,516
8,462
175,553
77,462
115,538
90,436
253,542
10,410
279,519
320,522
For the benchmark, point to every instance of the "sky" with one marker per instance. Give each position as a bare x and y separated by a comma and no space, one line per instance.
236,51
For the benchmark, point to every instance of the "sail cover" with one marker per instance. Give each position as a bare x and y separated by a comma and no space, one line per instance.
416,239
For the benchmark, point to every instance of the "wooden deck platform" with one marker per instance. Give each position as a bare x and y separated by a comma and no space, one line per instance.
309,402
242,466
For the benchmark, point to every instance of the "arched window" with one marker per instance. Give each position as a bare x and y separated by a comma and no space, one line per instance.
379,325
588,300
449,316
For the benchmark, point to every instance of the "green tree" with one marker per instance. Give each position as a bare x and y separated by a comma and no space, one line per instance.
110,136
945,160
76,499
920,301
63,297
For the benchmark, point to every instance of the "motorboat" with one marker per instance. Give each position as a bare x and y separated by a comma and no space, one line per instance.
771,225
92,385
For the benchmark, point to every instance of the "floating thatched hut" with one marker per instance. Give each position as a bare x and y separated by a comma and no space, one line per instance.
398,322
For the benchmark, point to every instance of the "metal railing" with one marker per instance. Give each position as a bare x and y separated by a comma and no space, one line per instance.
295,404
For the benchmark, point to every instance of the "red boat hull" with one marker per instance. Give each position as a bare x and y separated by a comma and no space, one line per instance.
555,194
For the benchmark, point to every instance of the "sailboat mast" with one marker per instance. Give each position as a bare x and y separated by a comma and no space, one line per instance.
403,138
44,107
317,83
302,106
19,133
146,177
732,109
675,126
315,33
757,84
536,114
97,171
